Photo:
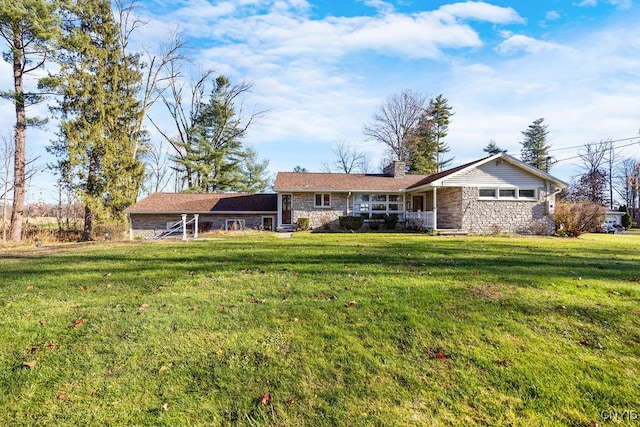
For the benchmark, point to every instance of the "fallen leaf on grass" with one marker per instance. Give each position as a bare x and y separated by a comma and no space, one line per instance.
222,309
165,407
31,364
476,273
219,352
30,287
83,288
63,396
78,322
584,342
349,304
265,399
52,346
162,369
441,356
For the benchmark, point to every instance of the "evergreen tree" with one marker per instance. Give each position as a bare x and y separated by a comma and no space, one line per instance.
441,112
27,27
100,139
212,153
492,148
535,150
424,158
254,177
427,138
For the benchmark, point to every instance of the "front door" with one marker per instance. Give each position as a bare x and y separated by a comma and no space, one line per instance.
286,209
417,203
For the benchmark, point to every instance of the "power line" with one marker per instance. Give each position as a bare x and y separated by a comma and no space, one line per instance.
581,146
611,141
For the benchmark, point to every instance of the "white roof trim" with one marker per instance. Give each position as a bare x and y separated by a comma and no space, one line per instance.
511,160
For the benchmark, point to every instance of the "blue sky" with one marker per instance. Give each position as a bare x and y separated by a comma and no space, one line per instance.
322,67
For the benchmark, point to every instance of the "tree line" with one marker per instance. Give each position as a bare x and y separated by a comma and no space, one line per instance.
414,128
102,92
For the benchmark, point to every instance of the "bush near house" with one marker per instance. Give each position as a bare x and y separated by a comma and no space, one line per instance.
575,218
354,223
303,224
390,222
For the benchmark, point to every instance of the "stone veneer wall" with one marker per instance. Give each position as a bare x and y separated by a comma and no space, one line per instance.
449,203
148,226
303,207
505,216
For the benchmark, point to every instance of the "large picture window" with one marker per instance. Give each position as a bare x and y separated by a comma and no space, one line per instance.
375,206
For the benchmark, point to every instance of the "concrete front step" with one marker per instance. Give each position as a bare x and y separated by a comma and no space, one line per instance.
452,232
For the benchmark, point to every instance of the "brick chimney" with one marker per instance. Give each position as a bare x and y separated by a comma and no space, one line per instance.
395,169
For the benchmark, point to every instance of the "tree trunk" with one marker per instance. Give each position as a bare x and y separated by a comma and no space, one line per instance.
87,231
15,230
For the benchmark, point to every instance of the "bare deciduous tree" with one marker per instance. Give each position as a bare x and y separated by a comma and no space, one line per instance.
394,121
349,159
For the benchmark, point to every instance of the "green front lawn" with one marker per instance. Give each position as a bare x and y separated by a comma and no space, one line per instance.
323,329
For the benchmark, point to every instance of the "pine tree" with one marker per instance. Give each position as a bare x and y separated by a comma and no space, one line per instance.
535,150
492,148
100,140
428,146
28,28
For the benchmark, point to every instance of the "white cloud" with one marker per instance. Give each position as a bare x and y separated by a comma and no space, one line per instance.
520,43
482,11
552,15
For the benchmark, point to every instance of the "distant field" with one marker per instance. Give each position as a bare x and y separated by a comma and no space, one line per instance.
322,330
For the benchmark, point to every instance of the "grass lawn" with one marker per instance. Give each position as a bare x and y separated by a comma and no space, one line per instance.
323,329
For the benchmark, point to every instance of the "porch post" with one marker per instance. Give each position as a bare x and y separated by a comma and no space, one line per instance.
279,214
195,226
435,209
184,227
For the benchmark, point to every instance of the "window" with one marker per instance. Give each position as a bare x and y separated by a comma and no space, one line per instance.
234,224
508,193
376,206
323,200
527,194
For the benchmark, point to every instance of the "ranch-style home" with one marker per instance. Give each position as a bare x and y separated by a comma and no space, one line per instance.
495,194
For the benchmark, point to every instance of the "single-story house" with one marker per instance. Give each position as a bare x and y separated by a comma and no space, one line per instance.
166,214
494,194
491,195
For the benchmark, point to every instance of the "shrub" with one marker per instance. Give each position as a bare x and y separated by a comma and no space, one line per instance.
576,218
351,222
390,222
303,223
374,224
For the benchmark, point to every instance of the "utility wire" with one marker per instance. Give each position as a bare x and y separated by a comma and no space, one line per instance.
582,146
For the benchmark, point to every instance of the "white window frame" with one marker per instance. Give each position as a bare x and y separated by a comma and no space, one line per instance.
378,199
322,199
516,190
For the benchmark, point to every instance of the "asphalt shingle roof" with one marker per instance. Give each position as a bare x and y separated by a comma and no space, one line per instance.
189,202
294,181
